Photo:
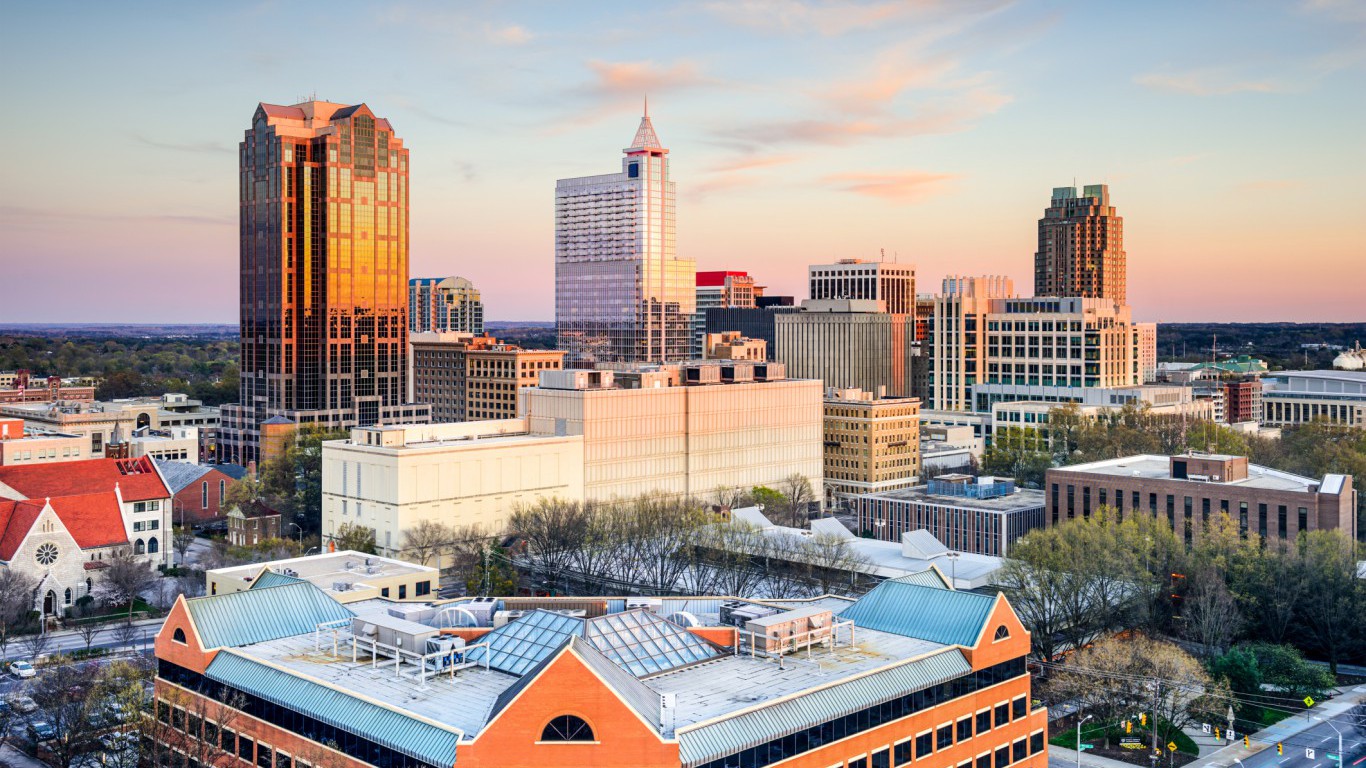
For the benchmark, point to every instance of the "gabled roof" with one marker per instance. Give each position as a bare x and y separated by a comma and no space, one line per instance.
930,577
269,578
235,471
93,520
254,508
636,694
257,615
137,479
938,615
397,730
179,474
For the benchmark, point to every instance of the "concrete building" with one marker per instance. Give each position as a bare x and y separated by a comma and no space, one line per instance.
622,292
347,577
323,273
1081,246
18,447
102,423
1159,400
911,672
59,523
981,515
730,345
170,444
759,323
1147,351
1189,488
444,304
848,344
856,279
872,444
391,478
948,450
720,290
956,356
1298,397
684,431
1243,400
473,378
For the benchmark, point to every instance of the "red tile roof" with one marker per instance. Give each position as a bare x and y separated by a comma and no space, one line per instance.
16,518
137,479
93,520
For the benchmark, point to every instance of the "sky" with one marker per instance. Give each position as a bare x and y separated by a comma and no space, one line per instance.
1232,135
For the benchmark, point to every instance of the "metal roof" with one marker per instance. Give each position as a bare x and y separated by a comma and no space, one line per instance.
178,474
938,615
926,578
380,724
257,615
269,578
702,743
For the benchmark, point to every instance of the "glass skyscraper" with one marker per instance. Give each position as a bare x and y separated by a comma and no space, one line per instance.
622,294
324,272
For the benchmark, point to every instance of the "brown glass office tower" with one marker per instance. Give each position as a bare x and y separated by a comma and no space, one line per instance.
324,273
1081,246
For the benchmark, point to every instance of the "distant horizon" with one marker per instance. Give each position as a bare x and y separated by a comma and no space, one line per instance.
5,324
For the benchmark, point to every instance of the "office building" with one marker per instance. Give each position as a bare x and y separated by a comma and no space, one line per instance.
720,290
1187,489
101,424
1243,400
872,444
759,323
1172,401
345,576
732,346
622,293
981,515
473,378
956,357
19,387
18,447
1081,246
856,279
1147,351
848,343
913,671
1290,398
440,304
324,273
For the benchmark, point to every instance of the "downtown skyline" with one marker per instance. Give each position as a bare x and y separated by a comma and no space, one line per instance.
801,134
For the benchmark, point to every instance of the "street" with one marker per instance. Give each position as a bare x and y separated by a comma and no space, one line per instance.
1322,740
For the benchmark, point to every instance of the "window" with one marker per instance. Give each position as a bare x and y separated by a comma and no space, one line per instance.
984,760
1002,756
1019,750
901,753
263,755
567,728
402,591
859,762
422,588
178,635
1019,708
983,721
965,729
1002,714
945,737
204,495
222,493
1035,743
1002,633
924,744
244,747
882,759
152,546
282,760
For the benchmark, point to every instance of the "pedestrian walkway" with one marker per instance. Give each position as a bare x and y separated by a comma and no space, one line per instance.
1088,760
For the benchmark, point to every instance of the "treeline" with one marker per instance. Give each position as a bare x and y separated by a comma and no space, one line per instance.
1087,578
203,368
1276,343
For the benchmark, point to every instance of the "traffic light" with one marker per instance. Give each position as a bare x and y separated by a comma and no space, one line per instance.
1280,748
1142,718
1217,734
1247,742
1128,726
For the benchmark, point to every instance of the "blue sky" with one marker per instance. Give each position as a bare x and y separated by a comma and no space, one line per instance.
800,132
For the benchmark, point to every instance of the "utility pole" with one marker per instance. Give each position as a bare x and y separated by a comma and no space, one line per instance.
1157,690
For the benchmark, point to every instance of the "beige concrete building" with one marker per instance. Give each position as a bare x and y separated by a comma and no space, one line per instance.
1298,397
890,283
345,576
684,431
1147,351
1033,415
848,343
18,447
173,444
731,345
390,478
958,338
99,423
872,444
472,378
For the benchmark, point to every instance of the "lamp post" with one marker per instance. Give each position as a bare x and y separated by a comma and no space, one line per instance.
953,568
1079,725
1339,733
301,532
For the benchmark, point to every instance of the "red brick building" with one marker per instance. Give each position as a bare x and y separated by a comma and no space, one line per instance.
199,490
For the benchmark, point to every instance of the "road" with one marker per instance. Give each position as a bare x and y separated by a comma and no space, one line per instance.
1323,741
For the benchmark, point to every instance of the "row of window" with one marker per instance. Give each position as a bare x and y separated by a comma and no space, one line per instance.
1005,754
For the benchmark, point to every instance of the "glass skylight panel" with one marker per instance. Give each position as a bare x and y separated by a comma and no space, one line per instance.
644,643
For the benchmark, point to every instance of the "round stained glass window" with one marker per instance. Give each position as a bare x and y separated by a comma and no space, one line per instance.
46,554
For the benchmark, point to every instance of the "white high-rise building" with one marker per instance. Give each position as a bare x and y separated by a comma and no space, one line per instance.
891,284
622,294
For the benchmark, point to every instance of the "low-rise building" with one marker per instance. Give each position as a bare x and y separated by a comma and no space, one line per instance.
948,450
981,515
102,423
198,490
731,345
252,523
345,576
1290,398
18,387
912,671
473,378
872,444
19,447
170,444
1187,489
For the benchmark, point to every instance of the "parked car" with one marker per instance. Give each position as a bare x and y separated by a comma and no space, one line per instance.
23,705
22,669
41,731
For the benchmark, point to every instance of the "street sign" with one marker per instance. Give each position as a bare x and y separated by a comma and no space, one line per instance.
1171,746
1085,747
1231,735
1308,701
1331,756
1205,727
1308,753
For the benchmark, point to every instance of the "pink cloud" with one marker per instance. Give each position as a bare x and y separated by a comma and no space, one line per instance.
614,79
907,186
750,163
1205,83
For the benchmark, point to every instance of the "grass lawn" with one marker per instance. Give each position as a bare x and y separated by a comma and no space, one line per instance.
1095,735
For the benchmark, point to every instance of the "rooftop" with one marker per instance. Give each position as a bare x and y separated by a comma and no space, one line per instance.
1155,467
1021,499
137,479
327,570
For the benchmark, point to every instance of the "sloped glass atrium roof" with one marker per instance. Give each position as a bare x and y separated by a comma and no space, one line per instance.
639,641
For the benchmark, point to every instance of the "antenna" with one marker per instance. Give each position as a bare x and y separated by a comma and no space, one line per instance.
647,105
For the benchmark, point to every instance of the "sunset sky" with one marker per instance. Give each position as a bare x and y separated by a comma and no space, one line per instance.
1232,135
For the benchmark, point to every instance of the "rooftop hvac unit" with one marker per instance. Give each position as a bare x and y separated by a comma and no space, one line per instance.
651,604
503,618
737,614
341,586
685,619
418,614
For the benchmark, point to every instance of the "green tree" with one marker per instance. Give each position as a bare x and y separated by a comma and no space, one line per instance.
1018,453
293,481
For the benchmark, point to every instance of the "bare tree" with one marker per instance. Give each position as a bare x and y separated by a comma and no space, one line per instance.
1212,617
87,627
833,560
798,495
553,530
424,541
727,564
182,539
663,539
118,704
124,578
35,644
16,602
64,697
124,633
728,498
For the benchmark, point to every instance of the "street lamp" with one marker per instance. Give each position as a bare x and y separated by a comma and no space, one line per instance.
1079,725
301,532
1339,733
953,568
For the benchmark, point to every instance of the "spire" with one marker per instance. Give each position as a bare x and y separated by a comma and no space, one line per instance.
645,134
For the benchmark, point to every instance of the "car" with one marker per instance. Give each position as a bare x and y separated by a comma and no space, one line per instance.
39,730
23,705
22,669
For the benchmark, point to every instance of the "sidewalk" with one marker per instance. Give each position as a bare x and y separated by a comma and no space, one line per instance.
1088,759
1267,737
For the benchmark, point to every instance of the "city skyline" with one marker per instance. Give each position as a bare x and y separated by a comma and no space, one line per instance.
803,133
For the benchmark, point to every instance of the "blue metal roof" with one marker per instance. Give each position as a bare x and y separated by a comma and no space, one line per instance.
926,578
398,731
938,615
257,615
269,578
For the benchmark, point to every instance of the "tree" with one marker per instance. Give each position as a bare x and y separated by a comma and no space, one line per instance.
833,560
552,530
119,703
64,697
728,498
16,603
769,501
1018,453
425,540
1269,587
125,576
125,632
243,492
492,574
87,627
1284,667
354,536
293,480
1212,617
1334,603
797,498
34,645
182,539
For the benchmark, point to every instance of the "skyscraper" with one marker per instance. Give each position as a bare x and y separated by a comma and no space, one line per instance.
324,272
439,304
622,294
891,284
1081,246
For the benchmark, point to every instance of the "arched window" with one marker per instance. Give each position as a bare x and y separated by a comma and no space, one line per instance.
68,596
567,728
204,495
222,491
1002,633
89,585
152,546
178,635
139,548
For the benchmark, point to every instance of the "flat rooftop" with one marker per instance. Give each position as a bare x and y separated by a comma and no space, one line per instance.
328,569
1021,499
1153,467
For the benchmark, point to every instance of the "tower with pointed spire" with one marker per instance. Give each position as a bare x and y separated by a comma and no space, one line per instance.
622,294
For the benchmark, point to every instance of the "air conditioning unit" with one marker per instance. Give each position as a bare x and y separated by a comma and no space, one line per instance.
341,586
503,618
651,604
